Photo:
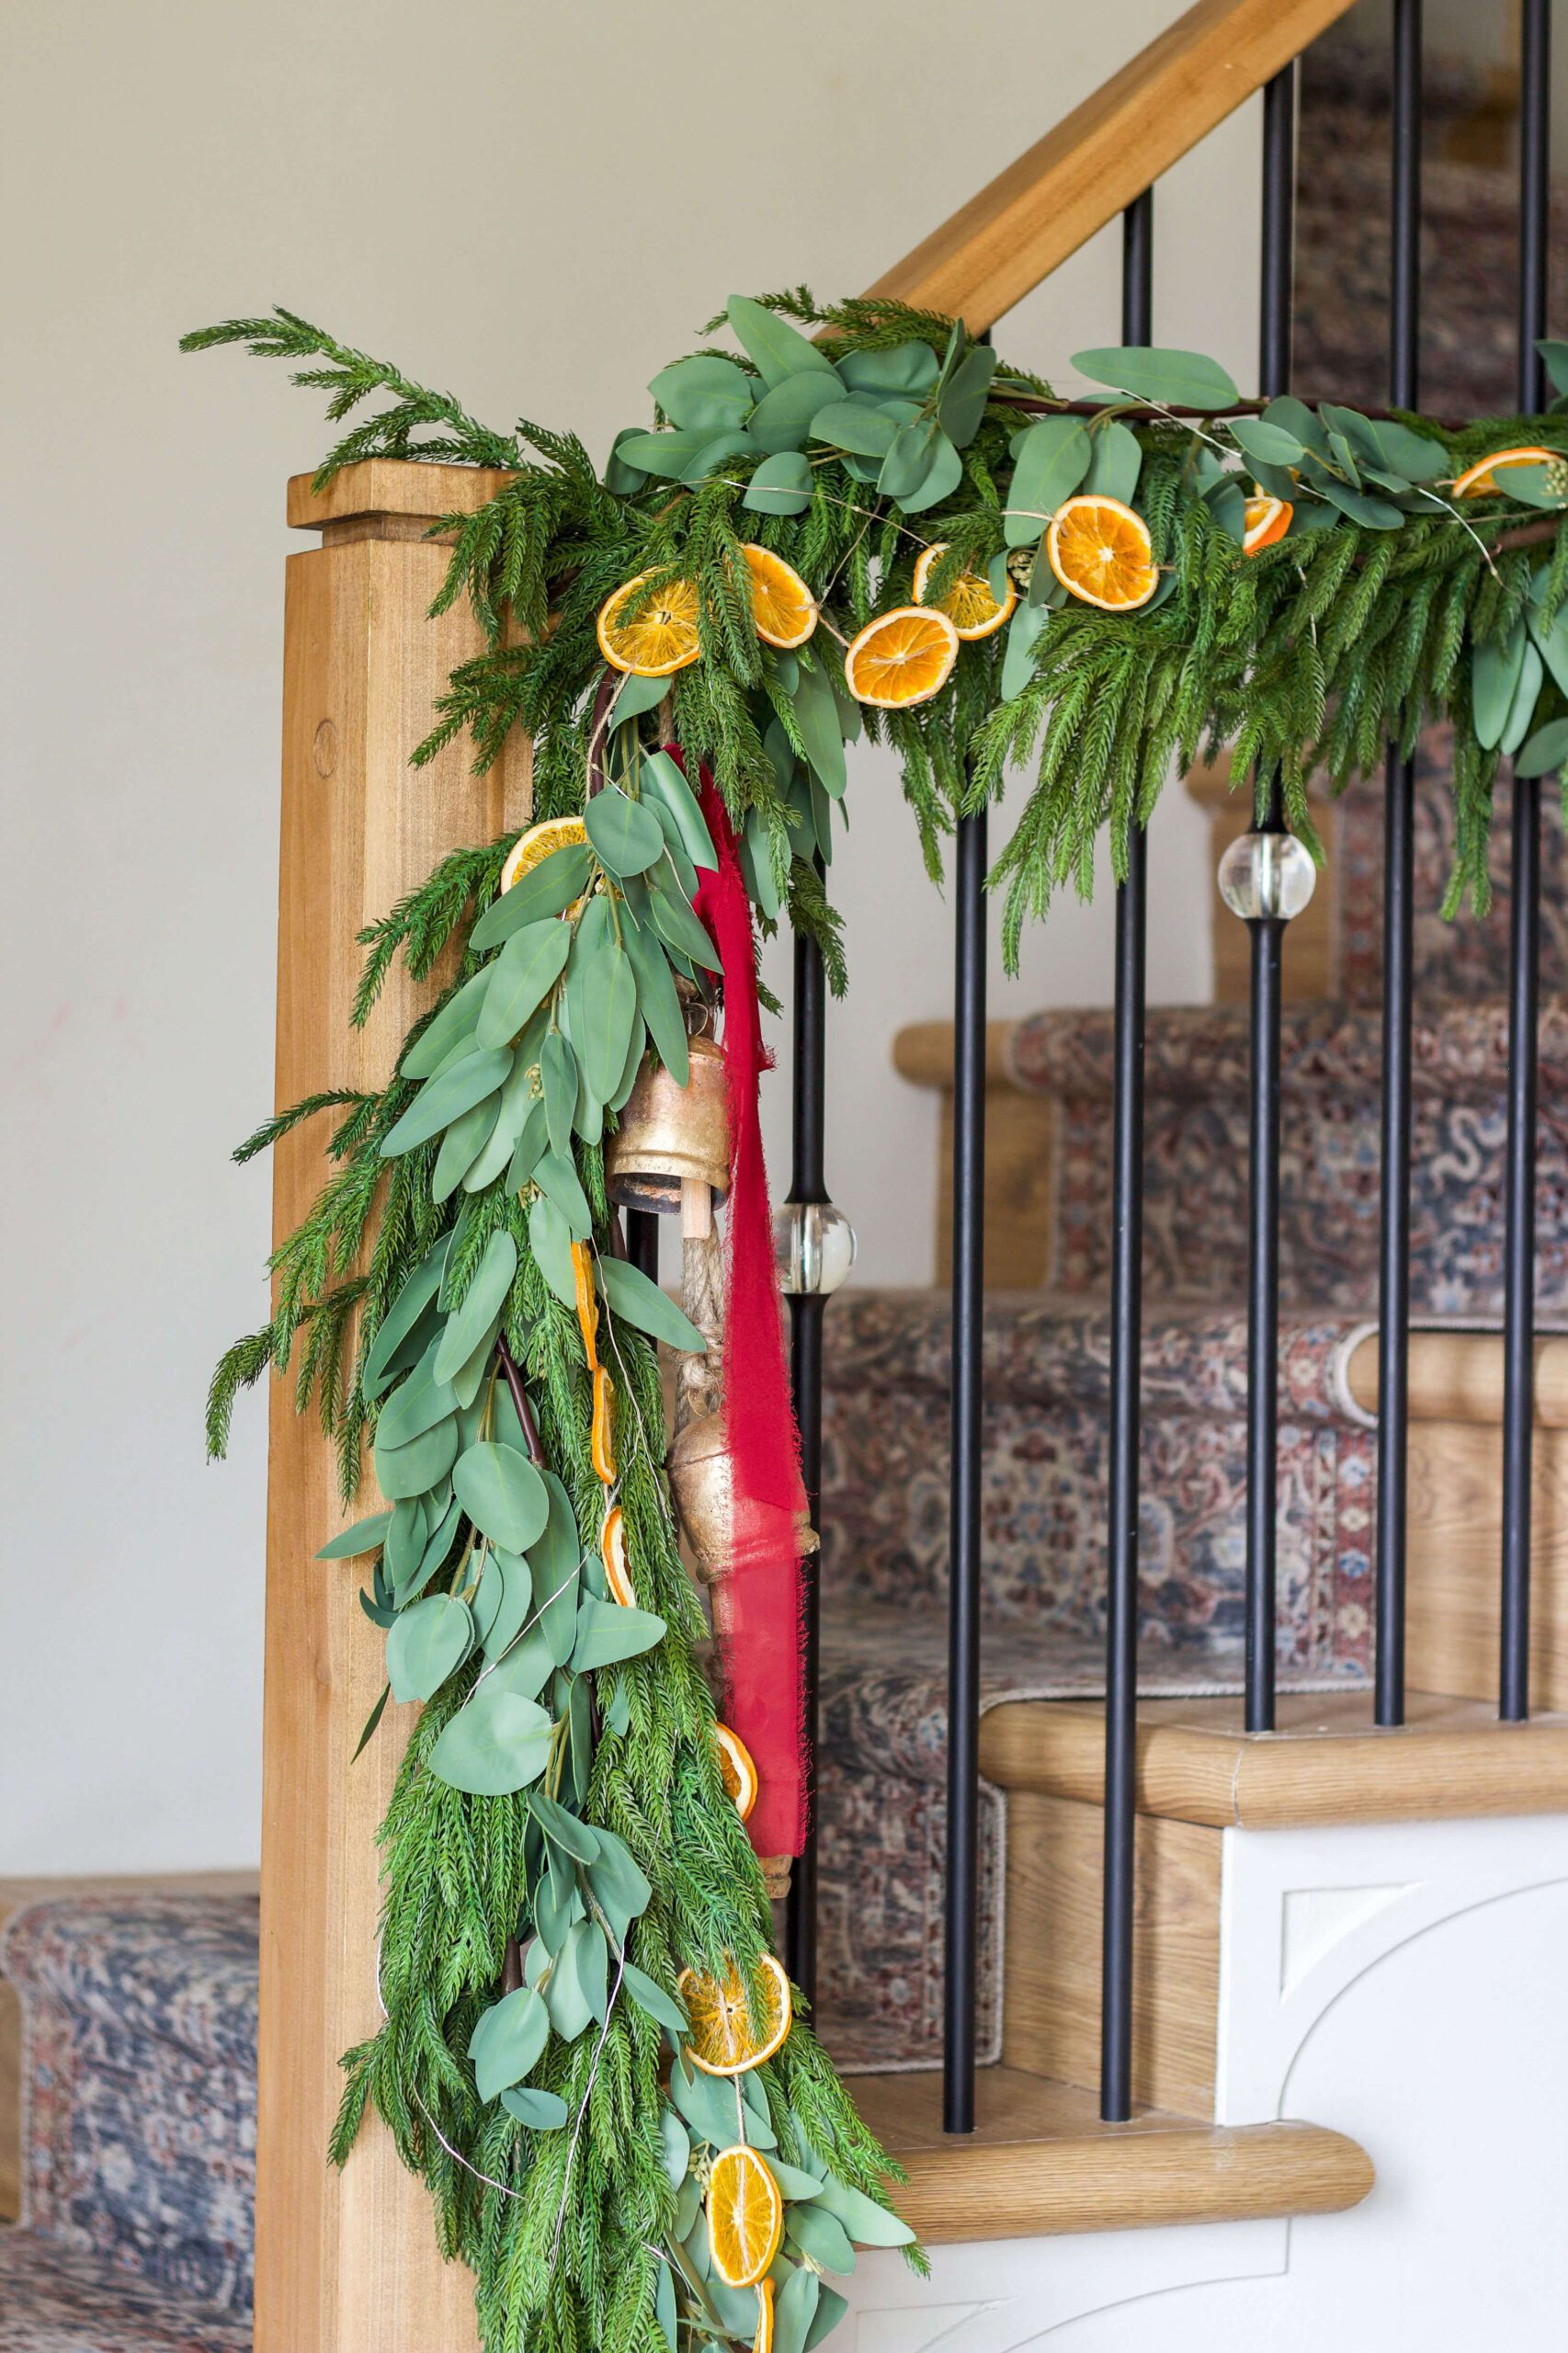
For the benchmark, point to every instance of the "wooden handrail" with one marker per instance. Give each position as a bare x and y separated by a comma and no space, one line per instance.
1081,175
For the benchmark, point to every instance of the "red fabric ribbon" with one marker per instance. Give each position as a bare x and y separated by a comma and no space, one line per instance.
758,1604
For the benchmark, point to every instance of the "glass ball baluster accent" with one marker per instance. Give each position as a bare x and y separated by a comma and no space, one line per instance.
814,1246
1267,875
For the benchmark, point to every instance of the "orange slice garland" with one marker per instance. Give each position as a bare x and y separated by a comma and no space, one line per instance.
782,605
538,844
722,2041
601,1439
745,2216
1479,481
662,639
969,604
587,1306
763,2341
1102,551
902,658
1267,519
738,1772
612,1550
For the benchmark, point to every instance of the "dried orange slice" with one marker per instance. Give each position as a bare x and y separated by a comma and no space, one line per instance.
782,605
1102,551
738,1771
902,657
538,844
763,2341
745,2216
1479,481
1267,519
601,1440
722,2041
587,1306
663,637
612,1550
969,604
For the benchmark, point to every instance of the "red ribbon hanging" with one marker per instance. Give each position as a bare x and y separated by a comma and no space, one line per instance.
760,1603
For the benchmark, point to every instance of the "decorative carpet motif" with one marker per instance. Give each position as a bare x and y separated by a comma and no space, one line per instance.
55,2299
138,2133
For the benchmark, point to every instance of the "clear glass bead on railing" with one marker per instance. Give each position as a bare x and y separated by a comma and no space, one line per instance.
1267,874
814,1246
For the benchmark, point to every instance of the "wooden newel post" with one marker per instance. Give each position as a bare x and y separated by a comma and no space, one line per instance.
345,2263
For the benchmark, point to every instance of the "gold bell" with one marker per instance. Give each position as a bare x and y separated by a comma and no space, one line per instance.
670,1133
702,1484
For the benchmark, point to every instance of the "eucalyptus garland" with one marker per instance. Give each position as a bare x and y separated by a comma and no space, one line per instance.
882,528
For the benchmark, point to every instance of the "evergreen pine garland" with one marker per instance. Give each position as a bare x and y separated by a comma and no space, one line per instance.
441,1296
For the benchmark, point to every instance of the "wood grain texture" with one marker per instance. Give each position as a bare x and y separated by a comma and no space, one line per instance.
380,489
1454,1535
1052,1979
1451,1761
1458,1377
345,2263
1081,175
16,1895
1041,2162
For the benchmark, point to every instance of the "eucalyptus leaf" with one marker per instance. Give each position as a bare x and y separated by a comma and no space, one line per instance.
908,459
557,1179
756,858
962,403
1546,750
820,2236
941,479
1373,513
427,1642
904,371
542,2111
620,1889
402,1320
418,1403
512,1609
1415,455
1170,379
532,1140
664,2304
714,454
456,1019
794,2308
625,837
578,1840
775,349
633,695
1537,485
1293,417
548,890
496,1743
502,1494
781,485
1116,462
816,714
463,1142
446,1097
365,1536
556,1904
1522,708
632,1296
552,1246
522,977
1052,458
706,391
676,920
433,1556
607,1633
674,2145
525,1667
659,2005
659,1003
565,1994
1266,444
783,418
662,782
866,2224
636,1048
707,2102
507,2041
619,478
557,1081
1017,662
855,425
602,991
665,454
792,2181
831,2309
515,1106
410,1470
483,1302
1495,671
1551,643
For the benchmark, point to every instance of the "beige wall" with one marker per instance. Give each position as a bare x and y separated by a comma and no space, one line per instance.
536,206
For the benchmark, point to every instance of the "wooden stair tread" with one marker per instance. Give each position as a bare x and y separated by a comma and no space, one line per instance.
1041,2162
1326,1762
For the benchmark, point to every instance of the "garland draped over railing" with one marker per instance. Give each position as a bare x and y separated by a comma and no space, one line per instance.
589,2050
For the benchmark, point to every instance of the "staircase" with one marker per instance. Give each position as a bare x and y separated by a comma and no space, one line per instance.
137,2079
1047,1347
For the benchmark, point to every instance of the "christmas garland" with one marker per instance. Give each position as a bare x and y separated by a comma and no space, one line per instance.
589,2050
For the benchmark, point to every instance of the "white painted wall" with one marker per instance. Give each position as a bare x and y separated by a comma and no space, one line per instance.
536,206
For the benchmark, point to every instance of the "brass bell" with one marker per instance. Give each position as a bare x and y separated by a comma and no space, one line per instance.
670,1133
702,1484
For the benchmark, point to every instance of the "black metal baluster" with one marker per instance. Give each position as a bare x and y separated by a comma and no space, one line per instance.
643,1241
1126,1355
1524,941
808,1184
1267,946
961,1894
1399,874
